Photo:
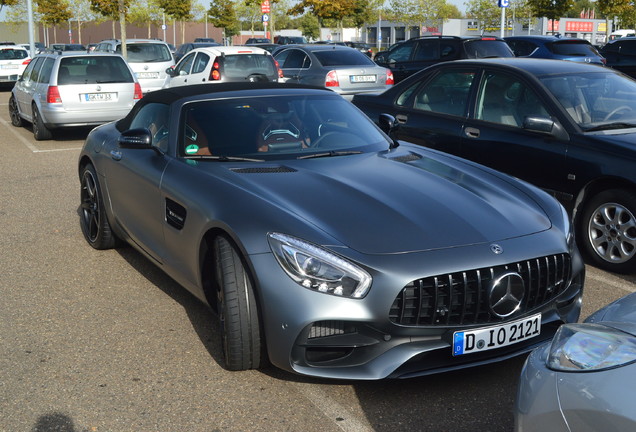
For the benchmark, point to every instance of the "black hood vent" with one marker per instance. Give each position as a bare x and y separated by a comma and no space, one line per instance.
264,170
407,158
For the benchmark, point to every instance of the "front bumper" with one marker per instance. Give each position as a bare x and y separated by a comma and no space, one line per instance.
322,335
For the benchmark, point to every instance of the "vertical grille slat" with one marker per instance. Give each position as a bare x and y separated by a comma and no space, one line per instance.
461,298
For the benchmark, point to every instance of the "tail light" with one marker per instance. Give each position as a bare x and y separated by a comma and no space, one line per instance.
389,77
53,95
280,71
138,93
332,79
26,62
215,73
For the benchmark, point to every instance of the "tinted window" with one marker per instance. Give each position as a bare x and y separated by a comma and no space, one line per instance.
522,48
154,117
93,69
147,52
241,65
13,54
487,48
573,49
446,93
401,52
427,50
345,57
293,59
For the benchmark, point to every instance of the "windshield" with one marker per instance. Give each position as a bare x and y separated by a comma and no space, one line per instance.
281,127
595,100
146,52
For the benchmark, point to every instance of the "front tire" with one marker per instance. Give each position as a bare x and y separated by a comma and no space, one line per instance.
608,231
14,112
237,310
93,220
40,131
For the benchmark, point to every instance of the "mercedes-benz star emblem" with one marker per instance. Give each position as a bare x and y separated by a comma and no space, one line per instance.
506,294
496,249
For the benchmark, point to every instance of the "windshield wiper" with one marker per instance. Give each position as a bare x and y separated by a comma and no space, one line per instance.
610,126
225,158
329,154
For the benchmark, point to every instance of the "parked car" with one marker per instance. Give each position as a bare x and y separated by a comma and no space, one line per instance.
339,68
582,380
204,39
621,55
286,40
72,89
269,47
413,55
566,127
148,58
322,245
38,46
223,64
189,46
258,41
67,47
553,47
621,33
362,47
13,60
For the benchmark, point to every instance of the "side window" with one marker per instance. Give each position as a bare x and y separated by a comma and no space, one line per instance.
185,66
26,75
628,47
406,94
296,59
155,118
447,93
401,53
427,50
35,72
448,50
45,73
505,100
200,63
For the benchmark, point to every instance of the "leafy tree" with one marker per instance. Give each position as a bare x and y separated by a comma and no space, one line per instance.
4,3
580,6
418,12
325,9
178,10
486,12
117,11
551,9
53,13
223,15
309,26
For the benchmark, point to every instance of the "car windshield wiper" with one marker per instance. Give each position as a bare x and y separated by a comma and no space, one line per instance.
329,154
610,126
223,158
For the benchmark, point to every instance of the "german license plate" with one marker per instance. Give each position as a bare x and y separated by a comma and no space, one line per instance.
148,75
97,97
9,66
487,338
362,78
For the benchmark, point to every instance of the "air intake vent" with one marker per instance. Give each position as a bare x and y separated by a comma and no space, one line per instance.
407,158
264,170
326,328
462,298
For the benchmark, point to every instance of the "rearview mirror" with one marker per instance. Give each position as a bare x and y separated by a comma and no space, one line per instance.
140,138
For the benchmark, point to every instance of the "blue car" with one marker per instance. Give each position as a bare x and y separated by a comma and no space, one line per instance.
554,47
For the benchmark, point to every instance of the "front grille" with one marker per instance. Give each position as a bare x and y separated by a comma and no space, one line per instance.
462,298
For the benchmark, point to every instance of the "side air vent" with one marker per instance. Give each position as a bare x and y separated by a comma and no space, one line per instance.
175,214
264,170
407,158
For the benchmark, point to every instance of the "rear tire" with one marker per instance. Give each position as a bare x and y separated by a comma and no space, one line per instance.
40,131
14,112
237,309
607,233
93,220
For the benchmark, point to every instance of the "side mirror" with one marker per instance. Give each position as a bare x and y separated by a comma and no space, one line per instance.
545,125
170,72
387,123
136,139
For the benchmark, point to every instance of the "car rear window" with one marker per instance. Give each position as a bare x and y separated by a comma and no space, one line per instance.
93,69
481,48
573,49
344,57
146,52
242,65
13,54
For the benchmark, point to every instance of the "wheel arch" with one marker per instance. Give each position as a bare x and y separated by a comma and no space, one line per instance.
593,188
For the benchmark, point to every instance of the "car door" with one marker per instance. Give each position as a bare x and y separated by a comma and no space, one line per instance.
134,181
200,72
295,64
25,86
182,71
431,113
496,134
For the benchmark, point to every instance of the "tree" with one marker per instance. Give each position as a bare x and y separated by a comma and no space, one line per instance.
4,3
223,15
178,10
309,26
325,9
418,12
117,11
486,12
52,13
551,9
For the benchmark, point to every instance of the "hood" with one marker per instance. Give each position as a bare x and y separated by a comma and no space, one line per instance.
377,204
622,140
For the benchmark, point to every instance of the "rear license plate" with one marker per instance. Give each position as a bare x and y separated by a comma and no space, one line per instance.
487,338
97,97
362,78
9,66
148,75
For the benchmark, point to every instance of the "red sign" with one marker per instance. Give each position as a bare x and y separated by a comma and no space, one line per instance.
265,6
579,26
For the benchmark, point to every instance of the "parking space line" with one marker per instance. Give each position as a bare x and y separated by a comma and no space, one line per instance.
30,146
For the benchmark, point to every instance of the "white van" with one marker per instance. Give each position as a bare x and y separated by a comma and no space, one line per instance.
621,33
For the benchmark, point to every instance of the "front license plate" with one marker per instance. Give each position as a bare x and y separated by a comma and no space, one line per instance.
97,97
484,339
362,78
148,75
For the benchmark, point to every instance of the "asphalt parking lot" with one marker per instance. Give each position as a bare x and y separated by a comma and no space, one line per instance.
104,341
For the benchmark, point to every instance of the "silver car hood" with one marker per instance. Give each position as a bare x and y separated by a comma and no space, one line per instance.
378,205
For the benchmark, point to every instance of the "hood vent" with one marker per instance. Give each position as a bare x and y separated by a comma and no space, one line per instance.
407,158
264,170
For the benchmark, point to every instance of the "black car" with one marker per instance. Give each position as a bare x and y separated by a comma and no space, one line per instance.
567,127
621,55
189,46
364,48
413,55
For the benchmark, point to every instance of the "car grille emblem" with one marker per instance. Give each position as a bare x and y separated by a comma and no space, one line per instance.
99,88
496,249
506,294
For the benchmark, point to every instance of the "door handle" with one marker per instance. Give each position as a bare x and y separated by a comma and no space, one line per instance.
471,132
401,118
115,154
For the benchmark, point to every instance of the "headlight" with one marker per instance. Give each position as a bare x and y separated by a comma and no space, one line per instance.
590,347
317,269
